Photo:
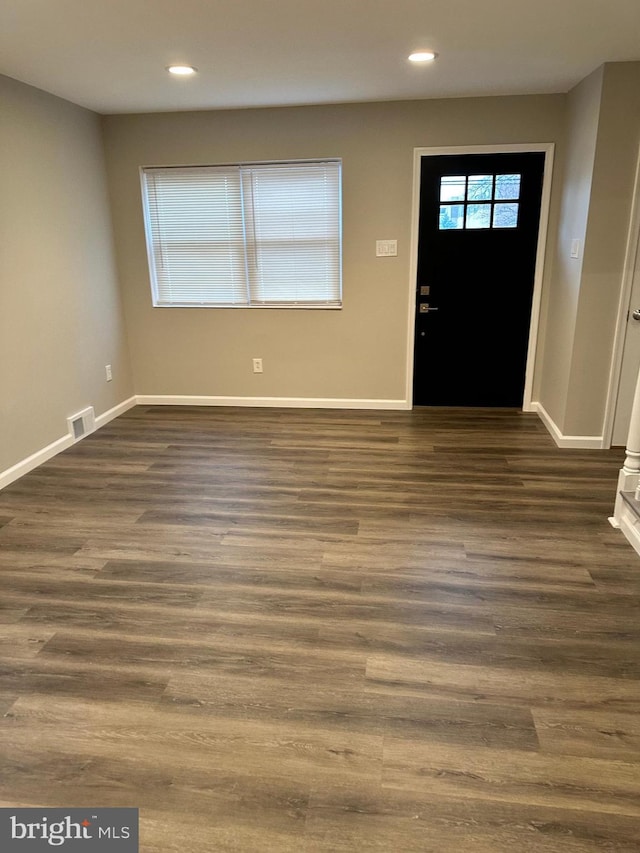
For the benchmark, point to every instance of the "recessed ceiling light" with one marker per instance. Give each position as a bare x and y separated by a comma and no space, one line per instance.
181,70
422,56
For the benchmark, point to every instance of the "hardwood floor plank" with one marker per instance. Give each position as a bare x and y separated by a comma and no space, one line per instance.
589,733
509,686
347,819
20,641
220,654
163,743
82,679
221,805
520,621
621,579
347,709
289,518
419,650
245,572
512,776
67,585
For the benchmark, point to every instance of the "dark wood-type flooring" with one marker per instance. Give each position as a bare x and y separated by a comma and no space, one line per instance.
295,630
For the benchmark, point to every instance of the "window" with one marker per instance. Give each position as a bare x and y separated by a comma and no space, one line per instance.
479,201
247,235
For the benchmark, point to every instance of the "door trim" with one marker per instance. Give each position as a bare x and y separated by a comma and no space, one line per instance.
548,148
628,274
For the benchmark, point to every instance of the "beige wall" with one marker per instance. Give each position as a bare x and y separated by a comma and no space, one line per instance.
574,176
356,353
60,312
607,230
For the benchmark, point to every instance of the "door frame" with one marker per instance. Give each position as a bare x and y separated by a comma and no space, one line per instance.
632,252
548,148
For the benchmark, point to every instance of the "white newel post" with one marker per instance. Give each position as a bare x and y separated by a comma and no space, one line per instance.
629,477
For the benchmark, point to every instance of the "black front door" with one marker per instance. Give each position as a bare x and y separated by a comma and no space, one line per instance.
478,237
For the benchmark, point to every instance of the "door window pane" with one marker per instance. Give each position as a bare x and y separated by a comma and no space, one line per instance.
505,215
480,188
479,201
451,217
452,187
479,216
507,186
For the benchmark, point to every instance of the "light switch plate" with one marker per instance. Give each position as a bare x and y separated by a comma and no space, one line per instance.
575,248
386,248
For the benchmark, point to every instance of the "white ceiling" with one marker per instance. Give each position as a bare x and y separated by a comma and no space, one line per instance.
110,55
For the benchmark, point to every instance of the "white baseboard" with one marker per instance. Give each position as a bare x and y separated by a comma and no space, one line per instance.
40,456
585,442
21,468
270,402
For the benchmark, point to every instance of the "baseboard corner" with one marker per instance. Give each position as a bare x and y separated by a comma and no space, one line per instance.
577,442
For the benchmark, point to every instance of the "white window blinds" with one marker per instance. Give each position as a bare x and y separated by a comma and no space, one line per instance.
261,235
